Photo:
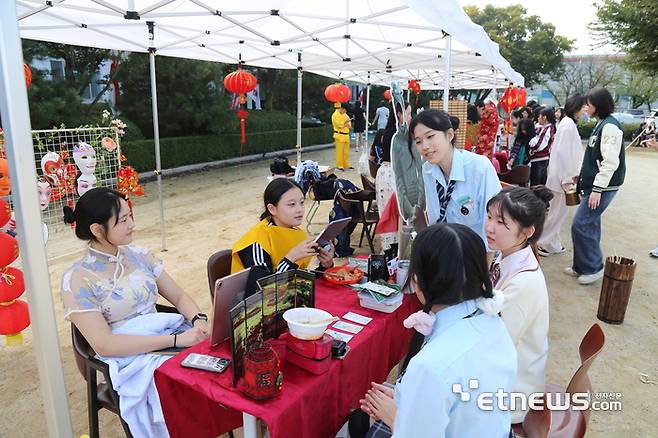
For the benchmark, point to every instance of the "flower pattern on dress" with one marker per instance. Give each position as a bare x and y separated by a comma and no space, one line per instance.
120,287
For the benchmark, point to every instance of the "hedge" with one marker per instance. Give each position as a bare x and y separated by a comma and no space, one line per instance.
180,151
585,129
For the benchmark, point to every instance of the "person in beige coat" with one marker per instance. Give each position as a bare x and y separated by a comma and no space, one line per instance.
564,166
515,219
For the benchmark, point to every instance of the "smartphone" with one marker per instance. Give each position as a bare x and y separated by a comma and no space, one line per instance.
205,362
339,349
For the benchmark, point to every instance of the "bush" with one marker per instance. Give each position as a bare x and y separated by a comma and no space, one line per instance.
585,129
180,151
261,121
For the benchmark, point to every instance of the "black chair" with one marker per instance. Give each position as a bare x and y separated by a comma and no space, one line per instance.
371,190
219,265
99,395
352,203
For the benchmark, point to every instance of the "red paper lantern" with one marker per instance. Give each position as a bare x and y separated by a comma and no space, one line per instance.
414,86
8,249
387,94
12,284
28,75
14,318
5,212
338,93
240,82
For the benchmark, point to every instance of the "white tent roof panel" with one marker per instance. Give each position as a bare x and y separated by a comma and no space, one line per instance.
337,37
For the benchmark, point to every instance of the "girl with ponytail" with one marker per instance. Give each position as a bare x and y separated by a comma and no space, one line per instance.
459,338
515,219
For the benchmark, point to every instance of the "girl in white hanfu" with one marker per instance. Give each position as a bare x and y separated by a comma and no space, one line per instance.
564,165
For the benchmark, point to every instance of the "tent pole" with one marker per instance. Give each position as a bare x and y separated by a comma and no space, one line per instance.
446,73
156,135
16,118
300,71
495,83
367,111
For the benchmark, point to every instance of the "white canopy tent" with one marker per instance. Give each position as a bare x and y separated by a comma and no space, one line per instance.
350,39
354,39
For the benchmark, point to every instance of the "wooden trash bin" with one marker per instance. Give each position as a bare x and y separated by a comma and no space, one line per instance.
616,289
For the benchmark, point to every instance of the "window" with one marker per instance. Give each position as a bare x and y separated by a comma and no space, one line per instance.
57,69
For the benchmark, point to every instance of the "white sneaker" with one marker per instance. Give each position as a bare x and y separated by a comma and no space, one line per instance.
654,252
590,278
570,272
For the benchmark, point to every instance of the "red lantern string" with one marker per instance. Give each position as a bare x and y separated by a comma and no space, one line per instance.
241,82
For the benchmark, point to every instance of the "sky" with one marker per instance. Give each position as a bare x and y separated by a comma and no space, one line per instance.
570,18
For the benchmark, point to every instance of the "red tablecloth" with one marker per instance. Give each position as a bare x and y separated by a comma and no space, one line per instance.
202,404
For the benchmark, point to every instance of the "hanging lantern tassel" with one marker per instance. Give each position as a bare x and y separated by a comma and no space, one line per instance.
242,115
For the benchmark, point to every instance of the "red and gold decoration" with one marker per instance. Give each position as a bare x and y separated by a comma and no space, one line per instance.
414,86
387,95
338,93
128,182
262,372
513,98
14,314
241,82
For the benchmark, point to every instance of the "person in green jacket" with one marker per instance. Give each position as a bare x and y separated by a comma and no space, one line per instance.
601,175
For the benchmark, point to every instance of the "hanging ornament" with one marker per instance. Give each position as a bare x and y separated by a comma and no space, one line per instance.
387,95
5,213
338,93
8,249
128,182
12,284
241,82
14,318
28,75
414,86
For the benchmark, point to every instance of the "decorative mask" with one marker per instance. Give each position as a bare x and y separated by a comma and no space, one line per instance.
108,144
45,191
51,165
85,183
85,158
5,188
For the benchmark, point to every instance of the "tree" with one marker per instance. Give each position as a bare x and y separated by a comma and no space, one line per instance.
641,88
583,74
191,96
56,99
531,46
631,25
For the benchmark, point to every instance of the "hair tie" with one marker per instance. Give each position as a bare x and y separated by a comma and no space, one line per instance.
491,306
421,321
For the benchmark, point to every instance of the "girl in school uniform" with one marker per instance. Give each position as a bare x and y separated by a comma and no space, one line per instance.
540,146
460,341
276,242
515,219
458,183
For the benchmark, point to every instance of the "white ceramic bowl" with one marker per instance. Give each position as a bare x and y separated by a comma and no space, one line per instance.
299,326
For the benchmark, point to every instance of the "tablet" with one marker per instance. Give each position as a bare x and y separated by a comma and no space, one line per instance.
332,231
226,290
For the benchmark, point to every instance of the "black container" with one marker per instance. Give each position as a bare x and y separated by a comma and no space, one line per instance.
377,267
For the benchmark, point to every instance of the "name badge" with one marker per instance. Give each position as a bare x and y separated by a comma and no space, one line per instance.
466,204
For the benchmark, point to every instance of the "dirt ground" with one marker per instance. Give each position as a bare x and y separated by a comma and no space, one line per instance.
207,211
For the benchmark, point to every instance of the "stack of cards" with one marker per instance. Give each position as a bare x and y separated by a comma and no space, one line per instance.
348,326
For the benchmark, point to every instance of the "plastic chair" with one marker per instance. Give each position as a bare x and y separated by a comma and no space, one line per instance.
536,424
519,175
352,203
218,266
99,395
571,423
